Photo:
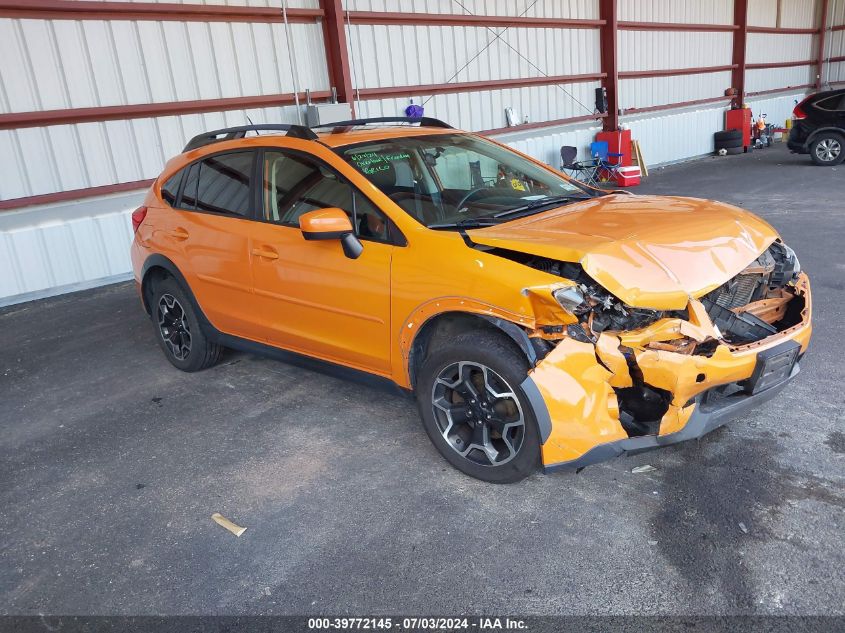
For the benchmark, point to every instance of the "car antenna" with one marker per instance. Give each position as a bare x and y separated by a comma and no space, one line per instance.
257,133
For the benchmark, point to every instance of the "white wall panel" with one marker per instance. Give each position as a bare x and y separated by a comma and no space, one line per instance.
836,12
412,55
659,50
297,4
777,108
485,110
835,73
57,64
772,78
641,93
676,134
35,161
800,14
579,9
762,12
63,253
688,11
779,47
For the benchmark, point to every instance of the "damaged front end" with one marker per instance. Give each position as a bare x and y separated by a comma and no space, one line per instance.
618,378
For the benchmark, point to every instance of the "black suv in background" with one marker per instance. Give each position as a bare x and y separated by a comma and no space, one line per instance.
819,127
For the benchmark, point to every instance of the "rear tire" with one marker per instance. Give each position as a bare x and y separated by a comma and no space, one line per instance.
178,329
828,149
474,410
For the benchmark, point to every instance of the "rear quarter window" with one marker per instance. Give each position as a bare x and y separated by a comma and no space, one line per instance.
170,189
835,103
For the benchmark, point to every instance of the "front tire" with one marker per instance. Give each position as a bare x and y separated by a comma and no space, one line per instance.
178,330
828,149
474,410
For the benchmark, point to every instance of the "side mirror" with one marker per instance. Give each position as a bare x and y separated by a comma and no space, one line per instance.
331,224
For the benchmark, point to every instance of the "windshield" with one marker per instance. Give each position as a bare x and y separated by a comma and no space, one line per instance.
454,180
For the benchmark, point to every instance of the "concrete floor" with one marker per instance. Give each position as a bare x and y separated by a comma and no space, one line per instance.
111,463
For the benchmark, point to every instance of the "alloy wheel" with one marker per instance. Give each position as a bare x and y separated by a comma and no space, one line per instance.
478,413
174,327
828,150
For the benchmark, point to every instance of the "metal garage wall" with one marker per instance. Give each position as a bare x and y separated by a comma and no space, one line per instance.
778,47
64,254
410,55
586,9
683,11
64,64
58,64
777,108
298,4
835,70
675,134
663,50
792,13
484,110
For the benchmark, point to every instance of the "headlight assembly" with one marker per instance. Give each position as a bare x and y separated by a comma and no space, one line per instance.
570,299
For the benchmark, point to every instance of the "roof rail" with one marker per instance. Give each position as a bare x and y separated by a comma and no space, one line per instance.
229,133
423,121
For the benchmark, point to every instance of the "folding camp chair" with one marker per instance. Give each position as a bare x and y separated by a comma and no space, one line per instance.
601,153
586,172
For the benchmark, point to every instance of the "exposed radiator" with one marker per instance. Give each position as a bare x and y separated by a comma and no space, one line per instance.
740,290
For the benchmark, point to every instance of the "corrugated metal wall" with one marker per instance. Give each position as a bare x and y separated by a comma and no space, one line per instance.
778,47
58,64
661,50
586,9
64,254
683,11
835,71
410,55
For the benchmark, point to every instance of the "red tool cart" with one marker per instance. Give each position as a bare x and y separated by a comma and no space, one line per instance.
740,119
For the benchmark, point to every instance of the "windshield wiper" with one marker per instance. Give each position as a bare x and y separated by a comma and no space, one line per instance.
544,202
467,223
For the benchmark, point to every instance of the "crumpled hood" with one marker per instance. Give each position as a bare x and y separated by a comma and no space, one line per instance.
650,251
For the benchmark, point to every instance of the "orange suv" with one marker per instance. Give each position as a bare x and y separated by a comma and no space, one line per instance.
538,321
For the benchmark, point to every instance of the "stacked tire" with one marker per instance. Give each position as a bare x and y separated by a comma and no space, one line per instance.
728,140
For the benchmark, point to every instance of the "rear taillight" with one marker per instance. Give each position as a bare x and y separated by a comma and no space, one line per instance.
138,216
798,112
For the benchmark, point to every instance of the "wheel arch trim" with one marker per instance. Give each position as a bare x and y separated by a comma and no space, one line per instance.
541,410
160,261
815,133
511,325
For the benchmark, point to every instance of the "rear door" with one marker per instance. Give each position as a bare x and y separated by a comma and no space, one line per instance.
209,234
313,298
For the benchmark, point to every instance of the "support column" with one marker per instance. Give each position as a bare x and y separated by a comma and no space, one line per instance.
822,37
337,52
608,35
739,47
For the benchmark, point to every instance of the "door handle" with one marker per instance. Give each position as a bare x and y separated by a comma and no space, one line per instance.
178,234
266,254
